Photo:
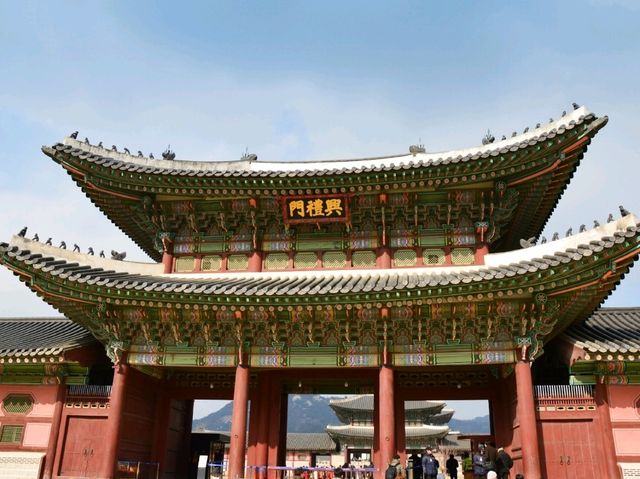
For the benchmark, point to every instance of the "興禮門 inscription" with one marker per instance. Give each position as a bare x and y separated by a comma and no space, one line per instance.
315,209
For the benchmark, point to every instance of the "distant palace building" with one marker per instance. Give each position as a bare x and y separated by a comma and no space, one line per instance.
415,277
425,423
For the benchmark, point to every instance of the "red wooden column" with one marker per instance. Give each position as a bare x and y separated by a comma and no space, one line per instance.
262,436
284,412
401,440
167,263
161,430
387,425
527,419
275,410
277,427
610,464
239,423
183,460
116,406
383,258
167,254
375,450
252,431
499,408
255,262
55,430
481,251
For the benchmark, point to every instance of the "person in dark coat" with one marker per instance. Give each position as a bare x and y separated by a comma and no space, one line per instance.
479,464
503,464
490,454
416,465
400,471
452,467
430,465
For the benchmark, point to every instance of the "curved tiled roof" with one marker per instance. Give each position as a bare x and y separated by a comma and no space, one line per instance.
608,330
310,441
140,164
443,417
537,165
364,402
367,431
321,283
576,273
31,337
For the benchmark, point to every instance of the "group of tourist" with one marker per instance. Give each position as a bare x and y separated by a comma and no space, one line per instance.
486,463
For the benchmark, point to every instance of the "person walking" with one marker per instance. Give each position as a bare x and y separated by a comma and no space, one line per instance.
395,469
490,455
479,464
452,467
416,466
503,463
430,464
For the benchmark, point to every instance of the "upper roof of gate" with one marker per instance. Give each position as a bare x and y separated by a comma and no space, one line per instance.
146,196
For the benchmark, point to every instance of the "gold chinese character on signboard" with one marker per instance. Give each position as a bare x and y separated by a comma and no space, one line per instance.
315,207
296,208
333,206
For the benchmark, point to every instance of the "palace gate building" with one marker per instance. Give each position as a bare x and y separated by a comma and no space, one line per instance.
412,277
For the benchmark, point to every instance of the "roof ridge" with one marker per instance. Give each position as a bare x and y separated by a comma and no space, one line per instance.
570,120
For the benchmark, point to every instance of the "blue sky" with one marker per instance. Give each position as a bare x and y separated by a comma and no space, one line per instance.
304,80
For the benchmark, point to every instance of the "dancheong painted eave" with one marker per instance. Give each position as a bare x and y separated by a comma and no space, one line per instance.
89,270
76,268
536,165
535,292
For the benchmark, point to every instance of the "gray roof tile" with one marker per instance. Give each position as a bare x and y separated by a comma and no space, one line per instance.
608,330
296,283
40,336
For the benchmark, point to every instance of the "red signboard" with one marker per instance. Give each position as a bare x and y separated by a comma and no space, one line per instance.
315,209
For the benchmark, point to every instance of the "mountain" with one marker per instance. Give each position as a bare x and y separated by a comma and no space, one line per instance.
477,425
216,421
309,413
